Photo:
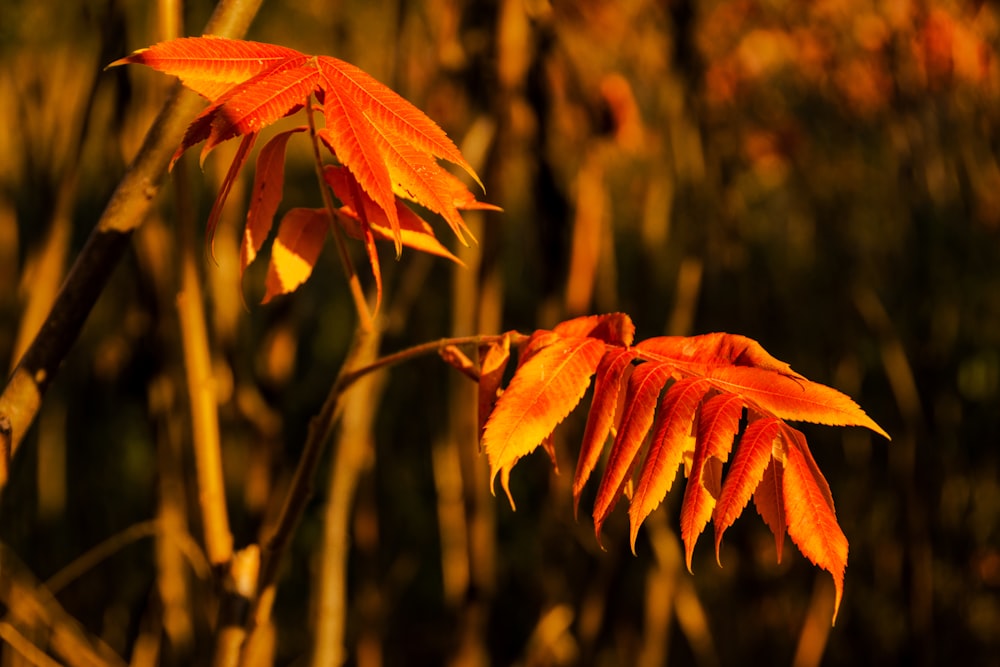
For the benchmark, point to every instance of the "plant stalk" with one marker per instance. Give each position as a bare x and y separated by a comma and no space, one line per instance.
125,211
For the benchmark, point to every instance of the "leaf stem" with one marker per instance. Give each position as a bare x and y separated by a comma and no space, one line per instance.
431,347
353,282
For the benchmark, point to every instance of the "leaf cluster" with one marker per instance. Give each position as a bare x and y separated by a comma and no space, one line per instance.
684,401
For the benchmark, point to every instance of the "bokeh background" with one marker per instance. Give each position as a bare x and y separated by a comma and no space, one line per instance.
820,176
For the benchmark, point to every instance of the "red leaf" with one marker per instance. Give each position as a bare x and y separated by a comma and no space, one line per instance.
388,144
812,522
542,393
300,239
268,183
614,328
227,183
745,474
211,65
769,501
414,230
718,423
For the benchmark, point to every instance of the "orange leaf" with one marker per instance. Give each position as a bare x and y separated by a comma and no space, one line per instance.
492,364
670,443
211,65
607,389
301,234
415,232
797,399
745,474
644,386
388,110
697,354
718,423
268,183
812,521
614,328
769,499
542,393
251,106
709,381
388,144
349,135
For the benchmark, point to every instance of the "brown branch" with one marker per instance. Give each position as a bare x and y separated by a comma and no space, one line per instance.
127,208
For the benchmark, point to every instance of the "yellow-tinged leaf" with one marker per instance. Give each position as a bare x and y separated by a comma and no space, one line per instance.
492,363
268,183
301,234
542,393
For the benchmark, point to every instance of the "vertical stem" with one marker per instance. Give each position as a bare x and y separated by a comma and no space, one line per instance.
352,450
353,282
127,208
201,387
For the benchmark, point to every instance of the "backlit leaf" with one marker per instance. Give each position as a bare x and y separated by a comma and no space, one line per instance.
544,390
746,473
718,422
641,397
301,233
706,382
672,441
268,184
812,522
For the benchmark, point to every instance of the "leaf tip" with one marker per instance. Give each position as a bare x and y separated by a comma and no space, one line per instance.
632,535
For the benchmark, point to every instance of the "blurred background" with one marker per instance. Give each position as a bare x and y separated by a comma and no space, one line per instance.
819,176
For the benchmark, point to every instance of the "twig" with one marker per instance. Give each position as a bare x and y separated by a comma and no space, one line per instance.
127,208
25,648
423,349
299,492
30,603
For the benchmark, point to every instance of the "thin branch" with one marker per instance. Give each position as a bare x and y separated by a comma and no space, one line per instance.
127,208
299,492
31,604
423,349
